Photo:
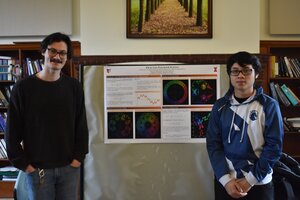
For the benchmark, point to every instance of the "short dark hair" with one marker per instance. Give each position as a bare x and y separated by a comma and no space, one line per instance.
57,37
244,58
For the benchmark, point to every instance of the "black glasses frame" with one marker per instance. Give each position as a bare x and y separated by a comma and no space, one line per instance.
245,72
53,52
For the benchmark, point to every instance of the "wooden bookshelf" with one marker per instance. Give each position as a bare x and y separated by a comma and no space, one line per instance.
6,187
290,49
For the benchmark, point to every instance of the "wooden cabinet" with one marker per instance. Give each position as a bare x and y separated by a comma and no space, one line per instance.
7,189
291,49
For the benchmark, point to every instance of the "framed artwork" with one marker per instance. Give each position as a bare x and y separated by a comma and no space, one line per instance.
169,18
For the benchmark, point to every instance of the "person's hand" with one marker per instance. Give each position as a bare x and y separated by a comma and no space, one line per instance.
75,163
29,169
244,184
234,189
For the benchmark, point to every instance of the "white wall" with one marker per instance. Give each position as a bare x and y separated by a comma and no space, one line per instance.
103,30
100,26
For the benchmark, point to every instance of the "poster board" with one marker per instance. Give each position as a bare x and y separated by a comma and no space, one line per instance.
158,103
135,171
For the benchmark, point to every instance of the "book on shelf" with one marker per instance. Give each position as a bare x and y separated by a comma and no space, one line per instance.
280,68
286,126
289,95
283,71
2,122
295,96
289,126
12,178
273,91
281,96
3,100
5,68
9,173
297,63
295,67
2,154
293,121
274,67
38,65
33,66
288,67
30,69
3,151
5,72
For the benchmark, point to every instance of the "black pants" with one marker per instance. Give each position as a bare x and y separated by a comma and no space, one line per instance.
257,192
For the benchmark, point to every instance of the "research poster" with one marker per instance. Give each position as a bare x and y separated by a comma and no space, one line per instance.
162,103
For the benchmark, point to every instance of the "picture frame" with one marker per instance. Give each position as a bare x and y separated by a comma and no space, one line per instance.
169,19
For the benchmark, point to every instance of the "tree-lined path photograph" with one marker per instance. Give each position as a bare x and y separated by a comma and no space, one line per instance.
169,18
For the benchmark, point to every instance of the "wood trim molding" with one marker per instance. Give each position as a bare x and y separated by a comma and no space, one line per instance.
180,58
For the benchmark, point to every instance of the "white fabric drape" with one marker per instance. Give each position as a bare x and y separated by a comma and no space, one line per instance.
139,171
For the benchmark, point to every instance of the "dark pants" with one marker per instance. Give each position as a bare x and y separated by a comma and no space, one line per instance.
257,192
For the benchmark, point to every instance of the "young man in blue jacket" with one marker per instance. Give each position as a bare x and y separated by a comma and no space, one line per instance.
47,115
244,135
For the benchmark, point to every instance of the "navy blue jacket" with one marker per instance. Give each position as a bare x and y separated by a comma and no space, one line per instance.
245,139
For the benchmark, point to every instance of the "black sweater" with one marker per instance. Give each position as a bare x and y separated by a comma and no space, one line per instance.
49,119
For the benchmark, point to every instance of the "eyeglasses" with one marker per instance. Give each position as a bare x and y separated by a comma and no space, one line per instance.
53,52
245,72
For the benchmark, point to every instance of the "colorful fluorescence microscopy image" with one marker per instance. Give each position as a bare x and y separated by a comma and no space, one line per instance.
203,91
120,125
175,92
147,125
199,123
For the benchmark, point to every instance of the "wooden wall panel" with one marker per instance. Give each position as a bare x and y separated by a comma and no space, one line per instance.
181,58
